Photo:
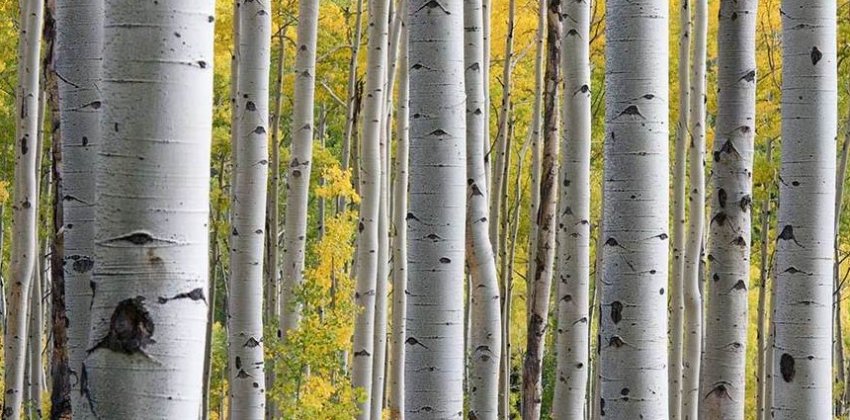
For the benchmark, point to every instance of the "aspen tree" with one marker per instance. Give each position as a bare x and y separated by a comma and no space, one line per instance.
434,359
573,273
79,39
677,300
635,219
366,262
24,199
485,314
723,377
300,165
149,309
802,358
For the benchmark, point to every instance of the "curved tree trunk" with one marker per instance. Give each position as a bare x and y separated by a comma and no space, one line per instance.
434,362
366,268
485,342
692,273
635,220
541,284
723,376
573,296
299,167
79,39
803,319
151,212
677,300
399,277
24,217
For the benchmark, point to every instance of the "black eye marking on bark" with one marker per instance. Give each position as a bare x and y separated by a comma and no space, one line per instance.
476,191
260,130
631,110
24,148
612,242
749,77
434,237
662,236
649,96
82,264
720,218
211,19
816,56
433,4
740,285
719,391
410,216
786,367
746,203
572,32
238,362
616,312
360,227
412,341
567,298
616,341
85,141
788,234
202,64
583,89
139,237
195,295
624,392
362,353
242,374
250,106
439,132
130,328
739,241
445,260
251,343
734,16
234,232
728,148
721,197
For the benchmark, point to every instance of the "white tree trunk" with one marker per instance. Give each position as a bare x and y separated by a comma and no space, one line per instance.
723,379
485,342
696,219
300,165
803,385
540,284
351,95
370,189
573,296
434,361
250,181
677,300
25,197
79,39
399,276
501,147
762,329
151,213
534,137
635,239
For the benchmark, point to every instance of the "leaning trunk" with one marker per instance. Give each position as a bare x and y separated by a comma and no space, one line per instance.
485,342
25,198
692,274
677,300
806,225
366,264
